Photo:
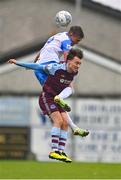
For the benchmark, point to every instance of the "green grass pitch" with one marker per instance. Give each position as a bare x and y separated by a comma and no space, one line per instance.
58,170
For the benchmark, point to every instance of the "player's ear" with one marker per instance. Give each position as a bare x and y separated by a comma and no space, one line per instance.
70,34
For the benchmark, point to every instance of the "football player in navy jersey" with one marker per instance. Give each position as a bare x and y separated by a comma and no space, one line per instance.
59,77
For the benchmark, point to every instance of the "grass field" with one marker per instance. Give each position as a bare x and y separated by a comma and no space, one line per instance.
56,170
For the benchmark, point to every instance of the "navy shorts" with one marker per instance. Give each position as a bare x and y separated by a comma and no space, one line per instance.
48,105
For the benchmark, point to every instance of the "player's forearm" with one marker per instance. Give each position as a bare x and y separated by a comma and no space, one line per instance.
65,55
36,58
33,66
66,92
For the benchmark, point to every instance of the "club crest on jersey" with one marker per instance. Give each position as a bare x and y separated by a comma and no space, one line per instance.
52,106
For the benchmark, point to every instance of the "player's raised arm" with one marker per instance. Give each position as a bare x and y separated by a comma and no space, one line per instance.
49,69
36,58
65,55
34,66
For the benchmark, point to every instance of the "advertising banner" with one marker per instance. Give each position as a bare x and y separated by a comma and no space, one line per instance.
102,117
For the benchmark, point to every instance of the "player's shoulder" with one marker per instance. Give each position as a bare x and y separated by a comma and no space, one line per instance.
52,68
62,35
58,66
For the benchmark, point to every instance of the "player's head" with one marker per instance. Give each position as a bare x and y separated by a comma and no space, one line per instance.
76,34
74,59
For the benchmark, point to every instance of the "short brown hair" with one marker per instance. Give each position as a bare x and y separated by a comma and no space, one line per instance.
77,31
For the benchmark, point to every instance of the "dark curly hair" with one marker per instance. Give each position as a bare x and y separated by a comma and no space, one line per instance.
75,52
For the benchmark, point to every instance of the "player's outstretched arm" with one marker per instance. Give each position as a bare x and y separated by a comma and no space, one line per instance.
33,66
36,58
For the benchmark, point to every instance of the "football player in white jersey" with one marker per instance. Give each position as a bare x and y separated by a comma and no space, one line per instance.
56,46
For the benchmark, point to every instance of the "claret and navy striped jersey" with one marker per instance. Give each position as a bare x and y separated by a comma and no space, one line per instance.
58,79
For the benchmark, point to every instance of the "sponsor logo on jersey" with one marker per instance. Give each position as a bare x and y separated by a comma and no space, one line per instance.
62,76
65,81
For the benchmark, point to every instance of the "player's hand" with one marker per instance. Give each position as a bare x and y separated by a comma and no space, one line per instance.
12,61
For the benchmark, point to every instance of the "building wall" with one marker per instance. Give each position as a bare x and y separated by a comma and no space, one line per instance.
22,22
